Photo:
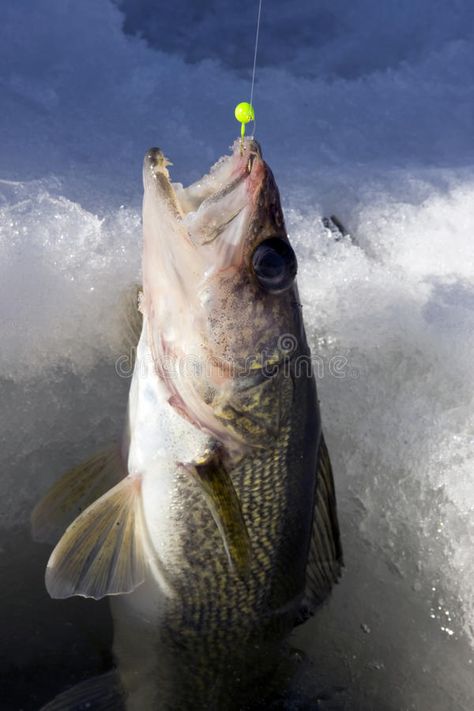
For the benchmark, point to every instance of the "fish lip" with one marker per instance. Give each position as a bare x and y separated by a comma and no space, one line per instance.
252,146
156,159
155,163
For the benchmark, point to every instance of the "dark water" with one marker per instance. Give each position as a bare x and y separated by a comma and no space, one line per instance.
46,645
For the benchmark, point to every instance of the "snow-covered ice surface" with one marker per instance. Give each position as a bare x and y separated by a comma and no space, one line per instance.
365,109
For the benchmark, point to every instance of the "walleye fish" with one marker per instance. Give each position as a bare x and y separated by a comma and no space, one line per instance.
214,528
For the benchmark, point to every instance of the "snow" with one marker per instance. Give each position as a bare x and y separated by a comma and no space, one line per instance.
364,110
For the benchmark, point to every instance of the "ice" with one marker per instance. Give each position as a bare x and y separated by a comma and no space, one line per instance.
364,110
74,263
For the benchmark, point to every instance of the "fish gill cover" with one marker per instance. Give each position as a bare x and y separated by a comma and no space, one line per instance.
374,124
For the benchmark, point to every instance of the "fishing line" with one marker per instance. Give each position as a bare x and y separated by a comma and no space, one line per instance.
257,33
244,112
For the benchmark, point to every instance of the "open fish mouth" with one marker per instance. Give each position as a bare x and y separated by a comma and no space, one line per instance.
216,211
223,178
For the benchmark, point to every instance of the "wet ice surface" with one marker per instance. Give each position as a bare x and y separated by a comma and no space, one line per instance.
374,124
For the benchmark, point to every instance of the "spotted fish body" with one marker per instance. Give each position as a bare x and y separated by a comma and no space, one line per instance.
227,512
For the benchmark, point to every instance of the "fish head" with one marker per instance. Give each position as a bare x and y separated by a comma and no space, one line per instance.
219,277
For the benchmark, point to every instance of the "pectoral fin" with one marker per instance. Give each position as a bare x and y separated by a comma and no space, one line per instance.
325,555
74,492
224,504
102,551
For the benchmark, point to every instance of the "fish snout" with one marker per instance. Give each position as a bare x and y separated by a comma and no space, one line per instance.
156,161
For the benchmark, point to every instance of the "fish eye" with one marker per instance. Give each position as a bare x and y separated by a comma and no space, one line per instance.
274,264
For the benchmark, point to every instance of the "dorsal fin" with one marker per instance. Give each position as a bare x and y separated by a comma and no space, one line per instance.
74,492
325,559
132,324
100,693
